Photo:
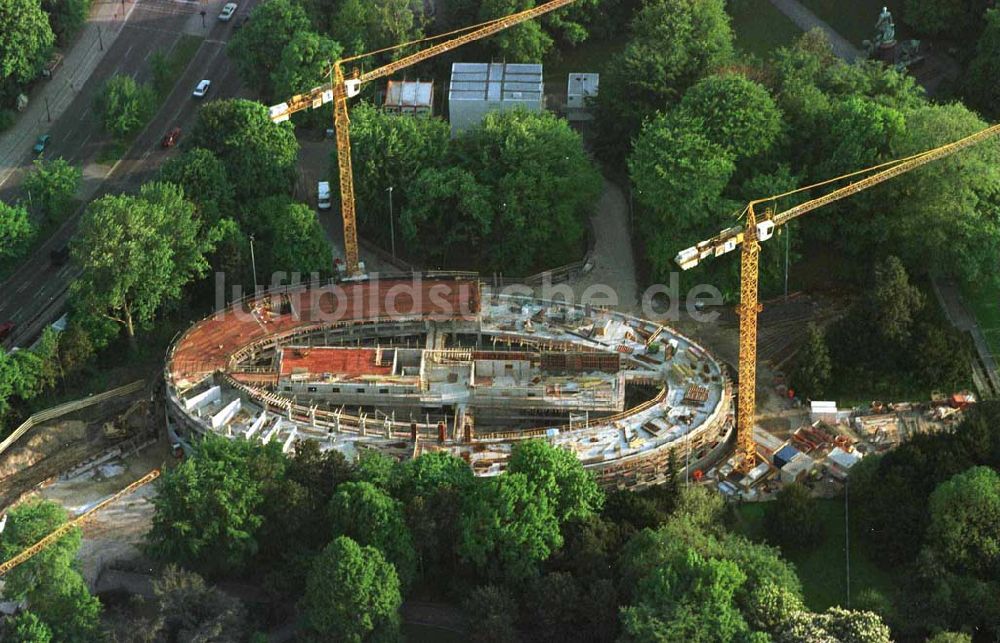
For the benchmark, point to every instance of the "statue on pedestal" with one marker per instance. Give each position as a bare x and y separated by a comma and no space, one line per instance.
885,29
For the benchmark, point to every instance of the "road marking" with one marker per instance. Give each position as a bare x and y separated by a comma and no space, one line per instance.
128,51
217,42
83,115
23,286
86,139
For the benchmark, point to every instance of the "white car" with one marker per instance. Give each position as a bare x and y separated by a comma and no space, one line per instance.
228,11
202,88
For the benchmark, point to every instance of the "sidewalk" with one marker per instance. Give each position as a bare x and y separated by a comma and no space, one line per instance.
102,28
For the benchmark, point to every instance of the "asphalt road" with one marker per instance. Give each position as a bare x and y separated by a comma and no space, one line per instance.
34,295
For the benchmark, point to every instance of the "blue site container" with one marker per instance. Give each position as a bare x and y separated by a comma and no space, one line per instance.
784,455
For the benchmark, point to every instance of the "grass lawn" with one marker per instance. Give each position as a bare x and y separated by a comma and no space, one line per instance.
855,19
984,300
760,27
822,570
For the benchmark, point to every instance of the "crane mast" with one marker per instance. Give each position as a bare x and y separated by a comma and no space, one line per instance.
751,234
341,88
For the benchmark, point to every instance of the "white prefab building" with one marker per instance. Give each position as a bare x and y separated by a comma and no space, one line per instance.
581,90
409,97
478,88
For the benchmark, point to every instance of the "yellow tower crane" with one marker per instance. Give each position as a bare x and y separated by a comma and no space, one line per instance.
756,229
342,87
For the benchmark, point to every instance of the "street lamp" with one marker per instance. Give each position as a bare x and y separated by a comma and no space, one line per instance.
253,261
392,225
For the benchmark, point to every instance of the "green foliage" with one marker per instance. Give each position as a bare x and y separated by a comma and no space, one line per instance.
813,368
304,64
204,180
558,474
473,202
26,43
527,42
352,594
137,253
49,581
66,17
950,637
370,25
673,44
679,176
259,155
965,514
26,627
208,509
737,113
792,520
289,237
124,105
565,606
189,610
980,86
941,17
369,516
835,624
53,185
16,231
494,611
507,528
257,47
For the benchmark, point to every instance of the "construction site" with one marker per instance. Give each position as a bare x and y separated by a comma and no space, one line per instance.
468,371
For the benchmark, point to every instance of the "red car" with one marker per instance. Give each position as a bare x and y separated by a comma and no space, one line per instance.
171,137
6,329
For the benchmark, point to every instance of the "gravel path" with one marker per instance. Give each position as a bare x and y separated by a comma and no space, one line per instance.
613,263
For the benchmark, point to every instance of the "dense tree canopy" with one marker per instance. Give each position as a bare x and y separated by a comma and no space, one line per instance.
257,47
27,40
352,595
673,44
965,522
556,473
980,86
259,155
137,253
812,369
66,17
737,113
205,182
792,521
369,25
289,238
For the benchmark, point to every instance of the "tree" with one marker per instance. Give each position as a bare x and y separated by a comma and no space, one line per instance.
980,88
137,253
792,520
558,474
965,514
390,150
124,105
494,611
259,155
208,509
813,367
66,17
687,598
835,624
531,163
304,64
352,594
893,302
738,114
679,176
56,592
16,231
370,25
53,184
27,40
26,627
673,44
523,43
371,517
204,180
942,18
257,47
950,637
291,237
192,611
507,528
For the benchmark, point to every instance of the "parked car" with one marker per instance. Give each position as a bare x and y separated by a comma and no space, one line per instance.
228,11
6,329
170,138
202,88
323,195
41,143
60,256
